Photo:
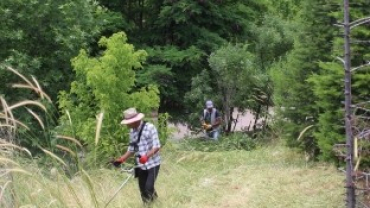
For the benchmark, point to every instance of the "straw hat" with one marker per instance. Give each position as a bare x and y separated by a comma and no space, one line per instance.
131,115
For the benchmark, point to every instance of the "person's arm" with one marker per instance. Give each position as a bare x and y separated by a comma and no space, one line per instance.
130,151
124,157
156,143
152,152
218,120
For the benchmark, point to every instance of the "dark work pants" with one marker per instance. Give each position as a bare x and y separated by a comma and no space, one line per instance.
146,180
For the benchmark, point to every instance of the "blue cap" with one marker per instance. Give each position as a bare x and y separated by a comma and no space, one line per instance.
209,104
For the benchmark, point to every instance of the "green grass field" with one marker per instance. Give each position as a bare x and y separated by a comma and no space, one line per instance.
270,176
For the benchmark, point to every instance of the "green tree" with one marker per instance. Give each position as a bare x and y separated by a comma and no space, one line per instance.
330,125
40,37
328,84
106,84
235,73
179,35
232,77
272,39
294,99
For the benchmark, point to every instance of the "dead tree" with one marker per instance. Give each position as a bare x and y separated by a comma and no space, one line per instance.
347,25
350,192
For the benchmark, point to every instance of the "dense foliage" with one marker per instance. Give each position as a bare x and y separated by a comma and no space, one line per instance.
295,102
179,35
106,84
243,54
40,37
328,86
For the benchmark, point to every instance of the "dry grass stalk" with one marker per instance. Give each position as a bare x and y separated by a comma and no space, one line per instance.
7,113
98,127
25,86
28,102
3,188
6,144
36,117
20,75
70,139
304,131
6,161
73,192
6,125
66,149
54,156
16,122
90,187
39,90
16,170
36,88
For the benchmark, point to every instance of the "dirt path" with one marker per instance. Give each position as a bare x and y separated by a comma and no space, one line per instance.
244,121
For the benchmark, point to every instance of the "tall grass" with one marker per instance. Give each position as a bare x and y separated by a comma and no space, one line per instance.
273,176
269,176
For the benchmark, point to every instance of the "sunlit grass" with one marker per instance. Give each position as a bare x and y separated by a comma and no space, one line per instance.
265,176
272,176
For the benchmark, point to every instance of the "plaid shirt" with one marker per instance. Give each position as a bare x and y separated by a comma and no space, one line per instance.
148,140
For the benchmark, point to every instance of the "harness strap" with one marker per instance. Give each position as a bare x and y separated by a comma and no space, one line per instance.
136,144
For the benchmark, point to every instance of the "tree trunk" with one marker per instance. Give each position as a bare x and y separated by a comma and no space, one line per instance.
226,108
257,117
230,119
350,192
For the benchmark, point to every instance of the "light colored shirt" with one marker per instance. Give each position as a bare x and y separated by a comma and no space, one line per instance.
149,139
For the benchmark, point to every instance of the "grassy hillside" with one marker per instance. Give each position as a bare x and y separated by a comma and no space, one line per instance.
271,176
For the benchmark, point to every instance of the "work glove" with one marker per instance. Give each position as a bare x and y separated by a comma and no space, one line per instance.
207,126
143,159
118,162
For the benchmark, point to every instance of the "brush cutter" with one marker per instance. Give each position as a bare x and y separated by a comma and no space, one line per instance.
131,173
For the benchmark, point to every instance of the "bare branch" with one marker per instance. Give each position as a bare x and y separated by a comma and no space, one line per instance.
360,67
362,103
359,22
339,24
340,59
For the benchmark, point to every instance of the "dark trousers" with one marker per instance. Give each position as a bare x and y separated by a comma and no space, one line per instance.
146,180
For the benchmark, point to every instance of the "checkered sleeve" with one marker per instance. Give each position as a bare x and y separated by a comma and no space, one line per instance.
154,136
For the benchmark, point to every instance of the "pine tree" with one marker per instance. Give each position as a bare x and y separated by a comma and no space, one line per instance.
328,84
294,98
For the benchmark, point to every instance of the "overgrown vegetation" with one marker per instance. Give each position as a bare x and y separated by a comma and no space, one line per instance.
93,59
106,84
259,178
225,143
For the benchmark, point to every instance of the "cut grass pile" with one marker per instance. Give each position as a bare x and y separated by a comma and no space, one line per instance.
271,176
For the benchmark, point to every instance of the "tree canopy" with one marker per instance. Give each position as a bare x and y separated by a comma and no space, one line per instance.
100,56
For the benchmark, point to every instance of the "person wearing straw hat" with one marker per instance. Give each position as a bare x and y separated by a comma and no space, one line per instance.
211,121
145,146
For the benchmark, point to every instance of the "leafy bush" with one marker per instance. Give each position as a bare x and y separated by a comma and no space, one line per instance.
106,84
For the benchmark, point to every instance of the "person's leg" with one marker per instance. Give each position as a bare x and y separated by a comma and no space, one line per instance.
206,134
142,179
215,135
149,186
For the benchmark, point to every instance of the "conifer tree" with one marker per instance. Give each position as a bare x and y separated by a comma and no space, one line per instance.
294,99
328,84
